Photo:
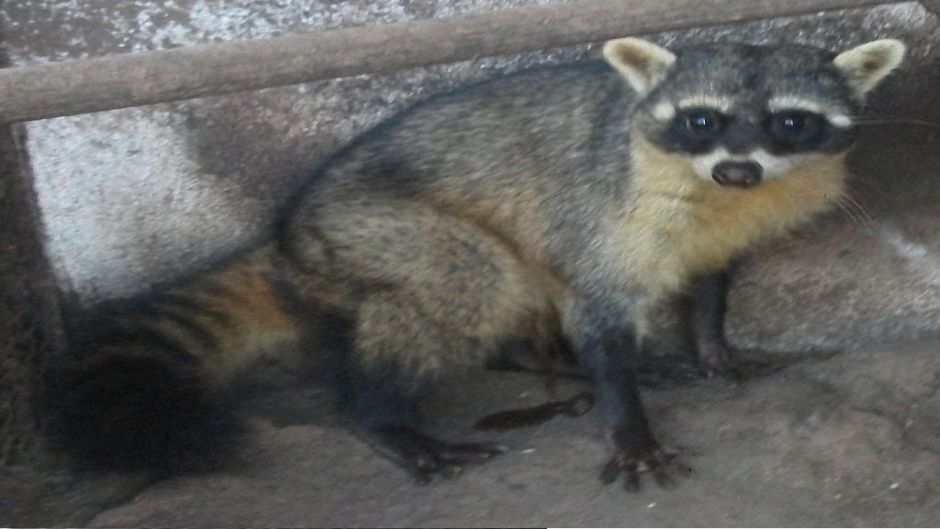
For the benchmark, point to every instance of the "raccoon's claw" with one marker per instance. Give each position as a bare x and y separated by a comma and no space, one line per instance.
656,462
426,457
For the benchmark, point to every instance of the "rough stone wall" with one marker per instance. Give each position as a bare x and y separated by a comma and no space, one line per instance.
134,196
28,321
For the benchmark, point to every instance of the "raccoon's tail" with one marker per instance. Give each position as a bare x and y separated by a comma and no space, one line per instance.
145,386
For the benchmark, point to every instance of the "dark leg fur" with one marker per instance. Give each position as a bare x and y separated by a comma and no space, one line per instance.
695,335
667,359
668,351
715,356
137,412
383,405
607,344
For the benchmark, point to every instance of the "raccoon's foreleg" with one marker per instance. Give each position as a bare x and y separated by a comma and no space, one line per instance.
689,328
604,336
715,356
668,353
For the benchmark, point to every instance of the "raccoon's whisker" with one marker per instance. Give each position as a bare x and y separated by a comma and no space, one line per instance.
846,201
847,211
839,199
846,198
853,209
853,217
877,121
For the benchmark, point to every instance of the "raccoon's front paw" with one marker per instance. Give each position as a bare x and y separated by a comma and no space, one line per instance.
426,457
635,455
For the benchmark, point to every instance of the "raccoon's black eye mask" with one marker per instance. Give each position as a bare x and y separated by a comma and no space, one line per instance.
698,130
795,129
704,123
695,130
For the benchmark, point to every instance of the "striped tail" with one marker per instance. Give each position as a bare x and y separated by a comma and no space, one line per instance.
145,389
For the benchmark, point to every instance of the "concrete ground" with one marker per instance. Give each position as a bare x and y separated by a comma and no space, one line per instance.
848,434
810,446
847,441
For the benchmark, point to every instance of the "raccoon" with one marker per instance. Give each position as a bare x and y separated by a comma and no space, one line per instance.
557,205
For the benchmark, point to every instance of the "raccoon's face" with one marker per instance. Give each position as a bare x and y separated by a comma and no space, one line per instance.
740,114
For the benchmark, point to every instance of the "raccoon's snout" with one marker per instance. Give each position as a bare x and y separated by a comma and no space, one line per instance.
737,174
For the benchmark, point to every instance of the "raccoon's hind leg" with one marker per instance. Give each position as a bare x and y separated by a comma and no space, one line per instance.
430,293
382,396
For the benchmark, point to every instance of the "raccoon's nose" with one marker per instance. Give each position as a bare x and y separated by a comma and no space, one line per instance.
737,174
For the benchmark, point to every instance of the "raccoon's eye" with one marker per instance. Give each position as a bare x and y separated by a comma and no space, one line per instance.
794,126
704,123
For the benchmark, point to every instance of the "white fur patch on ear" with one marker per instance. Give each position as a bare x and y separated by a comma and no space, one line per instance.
866,65
642,63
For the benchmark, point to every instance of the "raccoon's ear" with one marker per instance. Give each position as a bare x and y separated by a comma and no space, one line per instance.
643,63
866,65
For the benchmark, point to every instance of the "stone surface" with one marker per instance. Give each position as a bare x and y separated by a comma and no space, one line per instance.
849,441
868,272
